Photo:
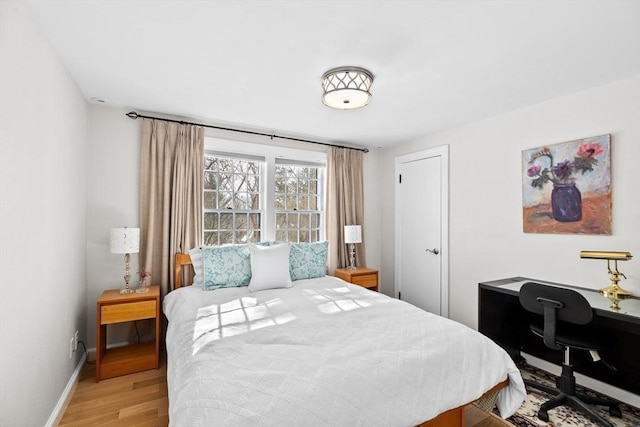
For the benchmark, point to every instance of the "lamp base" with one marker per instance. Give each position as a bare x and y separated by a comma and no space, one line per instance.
615,293
352,267
127,290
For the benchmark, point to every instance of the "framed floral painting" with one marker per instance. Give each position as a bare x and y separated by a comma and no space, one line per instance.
566,187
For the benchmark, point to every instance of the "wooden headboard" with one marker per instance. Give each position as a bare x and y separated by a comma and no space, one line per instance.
182,261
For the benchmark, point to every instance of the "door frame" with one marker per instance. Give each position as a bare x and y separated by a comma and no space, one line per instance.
443,153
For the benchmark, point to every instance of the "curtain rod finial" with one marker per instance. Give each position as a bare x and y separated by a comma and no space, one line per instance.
132,115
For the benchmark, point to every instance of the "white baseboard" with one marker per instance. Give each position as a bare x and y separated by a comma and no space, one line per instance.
58,411
604,388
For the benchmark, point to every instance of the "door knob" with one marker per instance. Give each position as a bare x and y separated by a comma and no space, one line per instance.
434,251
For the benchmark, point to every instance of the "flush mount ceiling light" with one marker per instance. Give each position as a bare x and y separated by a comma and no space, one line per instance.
346,88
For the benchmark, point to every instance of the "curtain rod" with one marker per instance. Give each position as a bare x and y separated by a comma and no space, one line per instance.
134,115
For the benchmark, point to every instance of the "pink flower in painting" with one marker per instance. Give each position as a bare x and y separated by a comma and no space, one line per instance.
533,170
590,149
563,172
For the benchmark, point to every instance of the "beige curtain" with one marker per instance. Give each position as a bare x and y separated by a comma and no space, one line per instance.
345,204
171,175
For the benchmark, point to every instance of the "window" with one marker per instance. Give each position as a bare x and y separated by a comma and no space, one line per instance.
297,203
259,195
231,200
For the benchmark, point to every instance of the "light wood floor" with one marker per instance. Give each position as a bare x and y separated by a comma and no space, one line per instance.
140,400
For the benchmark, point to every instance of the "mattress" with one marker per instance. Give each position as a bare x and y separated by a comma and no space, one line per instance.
322,353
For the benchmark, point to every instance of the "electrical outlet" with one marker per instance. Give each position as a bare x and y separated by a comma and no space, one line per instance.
71,348
75,341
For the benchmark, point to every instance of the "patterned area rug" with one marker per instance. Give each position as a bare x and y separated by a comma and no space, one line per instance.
563,416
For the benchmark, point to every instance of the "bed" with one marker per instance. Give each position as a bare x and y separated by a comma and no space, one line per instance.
323,352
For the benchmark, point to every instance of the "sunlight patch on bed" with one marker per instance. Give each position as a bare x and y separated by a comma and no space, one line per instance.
336,300
235,317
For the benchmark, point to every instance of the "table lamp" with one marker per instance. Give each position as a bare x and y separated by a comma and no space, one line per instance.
352,235
614,292
125,241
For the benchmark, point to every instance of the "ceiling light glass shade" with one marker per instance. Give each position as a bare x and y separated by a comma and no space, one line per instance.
346,88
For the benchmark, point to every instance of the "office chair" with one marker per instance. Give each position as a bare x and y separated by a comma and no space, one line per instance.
562,309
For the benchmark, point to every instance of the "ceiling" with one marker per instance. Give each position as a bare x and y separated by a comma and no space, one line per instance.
258,64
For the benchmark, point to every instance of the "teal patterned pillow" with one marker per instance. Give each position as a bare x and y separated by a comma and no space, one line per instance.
226,266
308,260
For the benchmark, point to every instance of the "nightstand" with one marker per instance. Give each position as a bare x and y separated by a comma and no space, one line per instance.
113,307
363,276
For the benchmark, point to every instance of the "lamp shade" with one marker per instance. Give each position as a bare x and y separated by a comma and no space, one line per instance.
352,234
124,240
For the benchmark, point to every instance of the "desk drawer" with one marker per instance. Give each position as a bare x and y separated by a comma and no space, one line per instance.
127,312
366,280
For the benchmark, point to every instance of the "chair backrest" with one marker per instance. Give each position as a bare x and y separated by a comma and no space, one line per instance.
555,304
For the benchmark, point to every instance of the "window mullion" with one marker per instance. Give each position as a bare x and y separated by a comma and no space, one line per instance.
268,192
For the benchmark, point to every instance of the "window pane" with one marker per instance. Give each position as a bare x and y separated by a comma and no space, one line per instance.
304,236
226,221
210,221
281,236
225,165
240,183
210,198
281,221
240,202
313,203
304,221
303,186
279,202
292,220
291,203
225,181
210,180
313,236
241,221
226,237
253,183
292,186
254,202
254,221
241,236
210,163
292,236
315,219
225,200
210,237
303,203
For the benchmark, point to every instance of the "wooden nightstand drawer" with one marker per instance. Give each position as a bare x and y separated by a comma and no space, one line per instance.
366,280
362,276
126,312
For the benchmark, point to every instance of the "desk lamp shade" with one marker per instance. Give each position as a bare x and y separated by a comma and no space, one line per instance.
352,235
125,241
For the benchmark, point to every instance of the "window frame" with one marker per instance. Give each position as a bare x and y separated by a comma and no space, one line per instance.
270,155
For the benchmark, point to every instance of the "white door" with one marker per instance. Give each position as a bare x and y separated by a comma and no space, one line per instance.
421,273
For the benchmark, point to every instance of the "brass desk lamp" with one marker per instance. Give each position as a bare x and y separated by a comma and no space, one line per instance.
614,292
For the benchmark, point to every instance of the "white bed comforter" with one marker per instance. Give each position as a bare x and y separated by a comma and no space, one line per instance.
322,353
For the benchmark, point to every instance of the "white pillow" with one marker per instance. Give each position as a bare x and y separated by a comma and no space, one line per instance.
269,267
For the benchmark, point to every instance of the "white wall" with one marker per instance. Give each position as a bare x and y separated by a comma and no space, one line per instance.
486,237
43,297
113,156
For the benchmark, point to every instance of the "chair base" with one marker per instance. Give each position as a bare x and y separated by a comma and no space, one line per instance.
566,395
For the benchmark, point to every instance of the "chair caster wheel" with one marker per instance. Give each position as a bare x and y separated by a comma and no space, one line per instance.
544,416
614,411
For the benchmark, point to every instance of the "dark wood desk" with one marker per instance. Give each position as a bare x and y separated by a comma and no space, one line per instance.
501,318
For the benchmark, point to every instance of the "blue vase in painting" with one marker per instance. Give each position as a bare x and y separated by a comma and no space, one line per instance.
566,202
